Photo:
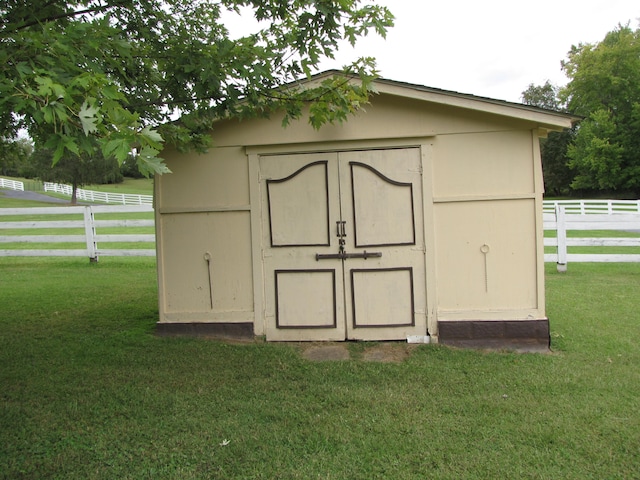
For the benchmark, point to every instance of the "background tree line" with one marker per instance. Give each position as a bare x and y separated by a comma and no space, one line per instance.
600,156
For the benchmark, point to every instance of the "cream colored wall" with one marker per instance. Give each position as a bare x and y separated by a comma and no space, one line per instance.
387,118
483,164
482,187
202,208
213,180
487,235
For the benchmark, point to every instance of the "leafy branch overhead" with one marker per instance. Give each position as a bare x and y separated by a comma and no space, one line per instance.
115,74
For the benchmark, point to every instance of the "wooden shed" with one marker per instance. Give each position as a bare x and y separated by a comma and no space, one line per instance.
420,218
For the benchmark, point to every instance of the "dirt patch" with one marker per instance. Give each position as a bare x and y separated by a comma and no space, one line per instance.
324,353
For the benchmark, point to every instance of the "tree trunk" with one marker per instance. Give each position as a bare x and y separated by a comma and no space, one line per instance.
74,194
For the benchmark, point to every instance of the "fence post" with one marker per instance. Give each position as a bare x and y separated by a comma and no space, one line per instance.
90,234
561,233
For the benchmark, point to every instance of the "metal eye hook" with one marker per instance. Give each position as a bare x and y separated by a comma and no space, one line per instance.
485,250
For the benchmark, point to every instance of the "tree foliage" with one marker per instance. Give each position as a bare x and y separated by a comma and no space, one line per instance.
553,149
14,156
604,87
82,75
76,170
543,96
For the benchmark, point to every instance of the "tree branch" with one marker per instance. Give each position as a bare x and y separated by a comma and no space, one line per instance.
59,16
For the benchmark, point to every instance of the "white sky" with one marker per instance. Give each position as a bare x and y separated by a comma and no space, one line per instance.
490,48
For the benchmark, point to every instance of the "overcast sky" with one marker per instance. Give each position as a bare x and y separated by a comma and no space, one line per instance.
490,48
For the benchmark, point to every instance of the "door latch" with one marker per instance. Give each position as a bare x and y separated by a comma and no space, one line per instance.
344,255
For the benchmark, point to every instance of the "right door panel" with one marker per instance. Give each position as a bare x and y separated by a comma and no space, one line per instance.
381,201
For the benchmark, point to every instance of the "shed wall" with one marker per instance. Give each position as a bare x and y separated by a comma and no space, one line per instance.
203,220
482,206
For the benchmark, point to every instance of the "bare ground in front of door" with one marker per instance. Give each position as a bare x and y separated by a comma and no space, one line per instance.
392,352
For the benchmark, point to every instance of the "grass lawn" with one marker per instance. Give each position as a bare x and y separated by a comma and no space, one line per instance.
137,186
88,391
596,234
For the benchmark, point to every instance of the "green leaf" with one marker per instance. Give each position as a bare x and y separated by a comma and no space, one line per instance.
118,147
89,117
60,144
151,136
149,163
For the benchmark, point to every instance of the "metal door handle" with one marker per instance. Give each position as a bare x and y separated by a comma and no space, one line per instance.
345,255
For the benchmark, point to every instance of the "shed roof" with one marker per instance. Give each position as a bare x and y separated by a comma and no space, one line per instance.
550,119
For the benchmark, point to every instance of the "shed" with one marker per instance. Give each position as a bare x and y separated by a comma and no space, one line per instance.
420,218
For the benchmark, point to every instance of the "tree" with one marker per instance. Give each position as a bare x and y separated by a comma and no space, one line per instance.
543,96
553,149
76,171
82,75
14,156
604,88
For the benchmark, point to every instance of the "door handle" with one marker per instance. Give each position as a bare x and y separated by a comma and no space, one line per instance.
341,228
345,255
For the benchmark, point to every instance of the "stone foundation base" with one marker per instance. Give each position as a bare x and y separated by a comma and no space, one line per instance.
233,331
519,335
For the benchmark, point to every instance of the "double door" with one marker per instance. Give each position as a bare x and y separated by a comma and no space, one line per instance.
343,245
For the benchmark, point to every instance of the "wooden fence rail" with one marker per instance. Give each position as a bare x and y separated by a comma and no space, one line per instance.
103,197
562,222
79,218
11,184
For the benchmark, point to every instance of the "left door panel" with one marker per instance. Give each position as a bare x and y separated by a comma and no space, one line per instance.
303,298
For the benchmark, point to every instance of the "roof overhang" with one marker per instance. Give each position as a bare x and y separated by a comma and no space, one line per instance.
546,120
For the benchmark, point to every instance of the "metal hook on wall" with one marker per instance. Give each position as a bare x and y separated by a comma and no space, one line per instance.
207,258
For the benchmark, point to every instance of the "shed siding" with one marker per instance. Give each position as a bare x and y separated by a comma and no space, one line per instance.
507,281
216,179
226,237
482,199
483,164
203,208
387,117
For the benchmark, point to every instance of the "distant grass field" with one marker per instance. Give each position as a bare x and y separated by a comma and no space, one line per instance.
137,186
89,392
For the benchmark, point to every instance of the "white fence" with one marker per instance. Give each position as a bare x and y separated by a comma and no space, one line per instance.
83,218
562,222
11,184
585,207
84,195
104,197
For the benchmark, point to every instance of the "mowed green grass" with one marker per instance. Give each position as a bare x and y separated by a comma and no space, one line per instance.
89,392
135,186
596,234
